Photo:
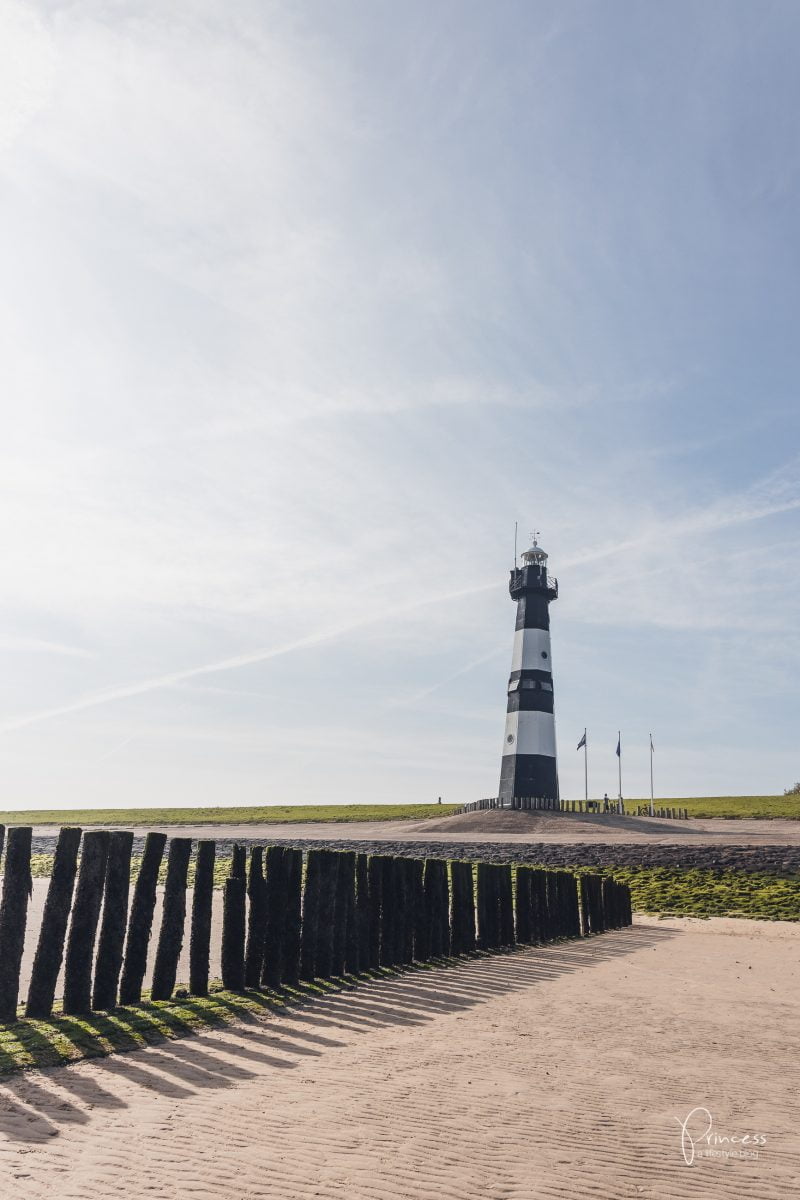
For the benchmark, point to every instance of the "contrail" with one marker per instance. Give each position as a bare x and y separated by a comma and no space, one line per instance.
117,746
125,690
450,678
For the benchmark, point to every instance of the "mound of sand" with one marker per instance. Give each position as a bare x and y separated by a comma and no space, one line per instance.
574,826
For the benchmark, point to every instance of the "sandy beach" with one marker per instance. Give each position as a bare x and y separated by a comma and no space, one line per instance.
561,1071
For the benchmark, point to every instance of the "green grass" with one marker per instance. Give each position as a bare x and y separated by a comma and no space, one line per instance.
282,814
278,814
705,893
731,806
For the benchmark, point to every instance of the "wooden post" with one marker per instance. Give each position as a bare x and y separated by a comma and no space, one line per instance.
523,905
432,890
293,880
170,938
50,947
115,917
469,908
483,906
342,904
327,901
352,943
256,920
233,933
202,900
311,903
238,862
17,889
362,911
388,911
375,879
275,917
140,921
416,916
410,901
506,905
83,927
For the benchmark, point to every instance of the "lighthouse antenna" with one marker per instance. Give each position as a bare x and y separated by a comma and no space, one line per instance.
515,545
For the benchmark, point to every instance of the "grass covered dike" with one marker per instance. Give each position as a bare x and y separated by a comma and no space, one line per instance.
732,807
278,814
756,807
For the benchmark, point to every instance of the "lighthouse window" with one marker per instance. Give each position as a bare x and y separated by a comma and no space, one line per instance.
547,687
529,684
544,654
514,685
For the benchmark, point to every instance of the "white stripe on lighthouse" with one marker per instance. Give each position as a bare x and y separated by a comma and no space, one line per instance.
531,733
529,645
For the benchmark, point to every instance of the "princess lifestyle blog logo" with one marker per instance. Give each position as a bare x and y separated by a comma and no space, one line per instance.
699,1139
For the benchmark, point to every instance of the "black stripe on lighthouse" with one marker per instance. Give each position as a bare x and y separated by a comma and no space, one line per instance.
528,765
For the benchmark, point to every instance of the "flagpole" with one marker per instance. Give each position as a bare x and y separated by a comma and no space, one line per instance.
651,774
619,757
586,768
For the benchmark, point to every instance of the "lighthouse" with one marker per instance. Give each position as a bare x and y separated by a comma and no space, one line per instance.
529,745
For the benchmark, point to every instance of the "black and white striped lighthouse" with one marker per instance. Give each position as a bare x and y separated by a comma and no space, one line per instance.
529,747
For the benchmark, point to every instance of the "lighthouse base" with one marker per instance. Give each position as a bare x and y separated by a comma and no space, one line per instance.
528,775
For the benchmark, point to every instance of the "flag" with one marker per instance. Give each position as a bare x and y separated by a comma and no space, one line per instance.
652,747
582,742
619,747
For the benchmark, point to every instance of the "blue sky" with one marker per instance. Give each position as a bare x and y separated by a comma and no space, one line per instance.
303,305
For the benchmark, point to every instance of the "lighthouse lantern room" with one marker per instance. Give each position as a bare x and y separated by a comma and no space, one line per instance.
529,748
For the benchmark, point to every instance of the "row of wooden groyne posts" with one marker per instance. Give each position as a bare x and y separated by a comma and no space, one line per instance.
544,803
288,916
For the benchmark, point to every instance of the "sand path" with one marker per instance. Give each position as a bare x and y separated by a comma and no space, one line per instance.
552,1072
565,828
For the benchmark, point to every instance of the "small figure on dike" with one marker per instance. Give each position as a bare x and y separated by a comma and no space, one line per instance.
605,802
